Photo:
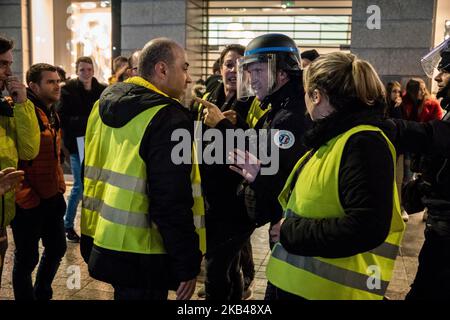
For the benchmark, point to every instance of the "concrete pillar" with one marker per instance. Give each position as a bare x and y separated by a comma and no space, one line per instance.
14,25
143,20
406,34
180,20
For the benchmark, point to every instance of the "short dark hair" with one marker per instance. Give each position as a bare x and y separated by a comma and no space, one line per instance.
239,49
34,74
5,44
85,60
155,51
62,73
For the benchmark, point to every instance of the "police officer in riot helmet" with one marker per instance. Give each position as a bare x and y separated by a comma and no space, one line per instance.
270,61
433,276
271,71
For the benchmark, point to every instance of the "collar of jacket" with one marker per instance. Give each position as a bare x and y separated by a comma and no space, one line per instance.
144,83
277,100
76,83
341,121
49,112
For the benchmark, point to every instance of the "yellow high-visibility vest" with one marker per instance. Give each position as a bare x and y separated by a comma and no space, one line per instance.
115,201
363,276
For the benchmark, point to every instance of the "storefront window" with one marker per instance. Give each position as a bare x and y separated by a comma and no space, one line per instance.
63,30
90,26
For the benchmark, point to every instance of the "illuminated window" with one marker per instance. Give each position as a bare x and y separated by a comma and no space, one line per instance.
63,30
90,26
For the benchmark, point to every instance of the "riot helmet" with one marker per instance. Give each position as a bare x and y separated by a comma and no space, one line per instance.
438,58
263,57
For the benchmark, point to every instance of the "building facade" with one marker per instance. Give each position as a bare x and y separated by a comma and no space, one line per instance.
392,35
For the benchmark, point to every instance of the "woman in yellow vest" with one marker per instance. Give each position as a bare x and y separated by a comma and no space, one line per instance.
342,228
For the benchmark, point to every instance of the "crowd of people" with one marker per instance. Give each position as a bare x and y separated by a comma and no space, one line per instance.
354,158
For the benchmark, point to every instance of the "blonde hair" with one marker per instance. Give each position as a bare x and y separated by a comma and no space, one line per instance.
344,78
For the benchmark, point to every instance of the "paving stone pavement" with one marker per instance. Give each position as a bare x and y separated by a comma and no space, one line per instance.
65,288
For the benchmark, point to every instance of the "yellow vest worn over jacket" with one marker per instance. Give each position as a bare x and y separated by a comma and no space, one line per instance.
254,112
19,139
316,196
115,200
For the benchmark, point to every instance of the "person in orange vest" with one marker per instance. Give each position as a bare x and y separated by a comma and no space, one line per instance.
40,203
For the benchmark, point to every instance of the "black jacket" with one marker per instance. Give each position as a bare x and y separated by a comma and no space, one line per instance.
366,176
226,214
288,112
169,189
433,166
74,109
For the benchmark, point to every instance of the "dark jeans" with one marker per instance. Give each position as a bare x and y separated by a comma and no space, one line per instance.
223,269
247,264
29,226
124,293
432,280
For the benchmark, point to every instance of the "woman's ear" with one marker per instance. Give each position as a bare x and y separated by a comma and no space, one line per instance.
316,97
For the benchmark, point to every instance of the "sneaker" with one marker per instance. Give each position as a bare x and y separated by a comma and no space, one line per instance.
247,294
248,285
72,236
202,292
405,216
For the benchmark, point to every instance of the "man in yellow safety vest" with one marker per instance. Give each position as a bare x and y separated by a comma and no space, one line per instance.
143,211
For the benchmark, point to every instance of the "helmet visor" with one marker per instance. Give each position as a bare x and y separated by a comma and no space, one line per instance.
256,76
431,61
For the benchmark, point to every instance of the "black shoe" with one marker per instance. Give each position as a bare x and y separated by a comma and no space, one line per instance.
72,236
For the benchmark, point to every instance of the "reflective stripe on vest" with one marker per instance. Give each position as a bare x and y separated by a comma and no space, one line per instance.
328,271
199,204
387,250
116,179
316,196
